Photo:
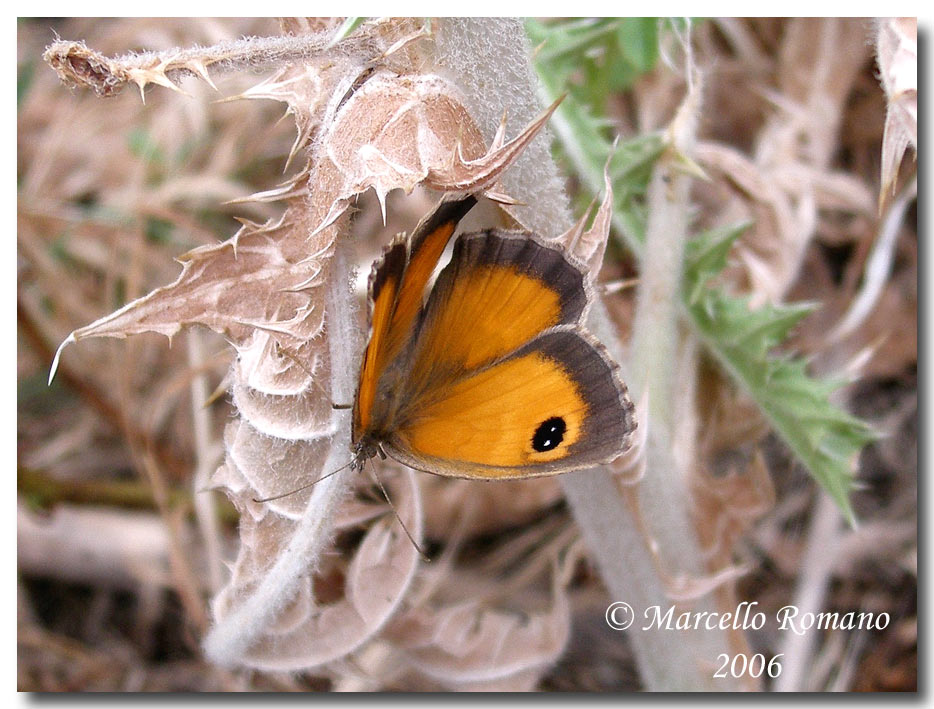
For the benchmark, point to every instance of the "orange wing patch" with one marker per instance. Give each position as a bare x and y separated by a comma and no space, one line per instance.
499,292
487,313
491,417
375,357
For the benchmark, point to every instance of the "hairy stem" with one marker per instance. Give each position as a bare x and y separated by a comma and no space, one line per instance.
663,367
78,65
229,641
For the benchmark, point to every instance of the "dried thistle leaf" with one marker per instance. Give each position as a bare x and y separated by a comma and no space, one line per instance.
897,55
402,131
469,643
590,245
310,632
253,280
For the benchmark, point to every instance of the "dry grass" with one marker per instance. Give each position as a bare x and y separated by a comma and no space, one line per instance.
115,577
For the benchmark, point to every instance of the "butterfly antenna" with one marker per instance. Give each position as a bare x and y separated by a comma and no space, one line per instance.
314,382
305,487
421,552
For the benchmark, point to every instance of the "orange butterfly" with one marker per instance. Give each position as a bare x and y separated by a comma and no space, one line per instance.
493,376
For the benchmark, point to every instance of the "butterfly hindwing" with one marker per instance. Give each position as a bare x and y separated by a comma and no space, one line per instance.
555,404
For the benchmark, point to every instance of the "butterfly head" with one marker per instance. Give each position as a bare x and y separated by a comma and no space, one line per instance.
364,449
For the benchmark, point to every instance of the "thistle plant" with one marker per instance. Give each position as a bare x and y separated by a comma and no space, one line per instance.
324,579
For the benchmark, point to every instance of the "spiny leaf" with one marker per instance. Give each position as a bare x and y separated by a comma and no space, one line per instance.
897,54
585,135
823,437
707,257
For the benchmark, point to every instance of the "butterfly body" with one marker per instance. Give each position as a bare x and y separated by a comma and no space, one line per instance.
492,375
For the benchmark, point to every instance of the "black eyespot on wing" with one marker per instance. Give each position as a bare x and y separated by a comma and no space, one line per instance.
610,420
549,434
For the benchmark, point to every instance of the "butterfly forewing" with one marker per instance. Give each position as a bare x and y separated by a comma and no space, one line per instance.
396,292
499,291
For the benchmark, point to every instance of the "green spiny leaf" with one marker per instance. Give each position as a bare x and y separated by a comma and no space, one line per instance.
584,132
708,254
823,437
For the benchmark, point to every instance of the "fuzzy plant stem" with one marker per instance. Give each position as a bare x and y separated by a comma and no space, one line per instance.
661,372
816,572
488,58
656,370
663,369
229,641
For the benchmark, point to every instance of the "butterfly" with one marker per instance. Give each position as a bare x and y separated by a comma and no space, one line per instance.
488,373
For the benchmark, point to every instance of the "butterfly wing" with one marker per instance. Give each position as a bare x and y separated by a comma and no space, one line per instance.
499,291
504,382
396,292
556,404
